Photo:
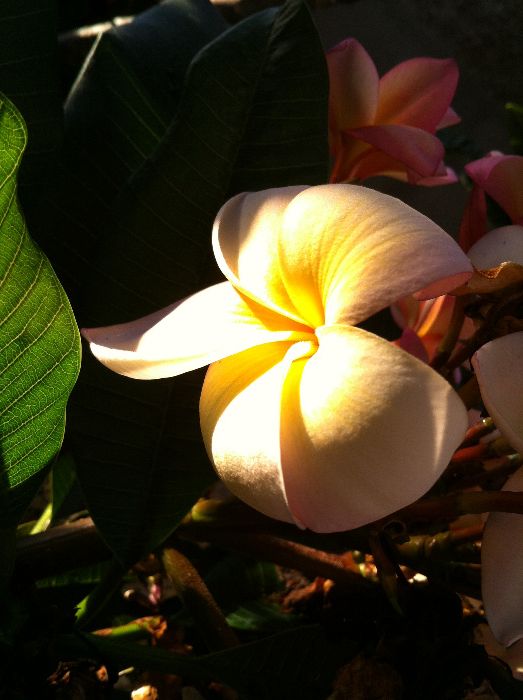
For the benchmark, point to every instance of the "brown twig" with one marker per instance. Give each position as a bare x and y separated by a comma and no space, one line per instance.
198,600
455,504
60,549
312,562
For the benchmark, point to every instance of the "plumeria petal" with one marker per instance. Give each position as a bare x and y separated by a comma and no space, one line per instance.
501,177
473,224
201,329
450,118
362,161
240,414
502,389
348,155
371,162
406,312
448,177
504,244
245,244
347,252
353,85
291,429
337,475
429,321
418,92
412,343
420,152
502,570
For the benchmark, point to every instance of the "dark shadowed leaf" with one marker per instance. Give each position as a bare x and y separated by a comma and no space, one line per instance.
298,663
137,445
39,341
115,116
29,77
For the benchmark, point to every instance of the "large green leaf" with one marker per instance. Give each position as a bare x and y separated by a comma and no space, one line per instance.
137,445
29,76
115,117
39,341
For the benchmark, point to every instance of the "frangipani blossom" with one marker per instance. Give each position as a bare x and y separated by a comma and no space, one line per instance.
502,577
386,126
501,177
305,416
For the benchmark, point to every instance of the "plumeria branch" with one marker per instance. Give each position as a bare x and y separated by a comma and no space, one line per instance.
455,504
498,308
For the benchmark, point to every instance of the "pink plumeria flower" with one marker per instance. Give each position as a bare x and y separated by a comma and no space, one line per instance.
501,177
307,417
386,126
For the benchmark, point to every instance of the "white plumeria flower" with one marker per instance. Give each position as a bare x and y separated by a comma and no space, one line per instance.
499,370
502,578
501,390
305,416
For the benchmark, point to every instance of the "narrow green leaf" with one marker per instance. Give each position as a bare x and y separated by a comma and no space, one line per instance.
39,341
257,616
84,576
62,480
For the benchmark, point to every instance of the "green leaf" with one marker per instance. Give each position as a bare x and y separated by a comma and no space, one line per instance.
300,663
257,616
235,579
115,117
138,448
62,479
85,576
39,341
285,137
29,76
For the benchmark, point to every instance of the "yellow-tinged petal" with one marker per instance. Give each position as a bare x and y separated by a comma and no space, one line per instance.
502,570
240,421
333,253
201,329
347,252
366,430
245,244
330,437
499,371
